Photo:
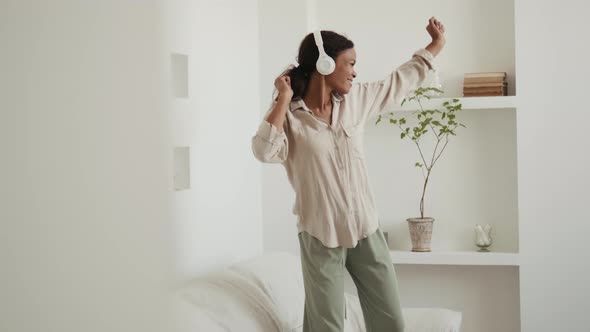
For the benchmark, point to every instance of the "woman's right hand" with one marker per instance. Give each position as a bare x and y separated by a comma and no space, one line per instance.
283,85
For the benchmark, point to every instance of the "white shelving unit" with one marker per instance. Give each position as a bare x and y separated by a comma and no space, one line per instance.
455,258
462,273
459,258
469,103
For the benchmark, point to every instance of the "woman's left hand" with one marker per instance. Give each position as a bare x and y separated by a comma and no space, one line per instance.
436,30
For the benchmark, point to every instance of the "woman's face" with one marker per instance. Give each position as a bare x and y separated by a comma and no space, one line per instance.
341,79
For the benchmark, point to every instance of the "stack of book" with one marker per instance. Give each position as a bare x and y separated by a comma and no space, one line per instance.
484,84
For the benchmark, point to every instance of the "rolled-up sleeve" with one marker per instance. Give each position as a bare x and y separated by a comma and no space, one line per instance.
376,97
269,145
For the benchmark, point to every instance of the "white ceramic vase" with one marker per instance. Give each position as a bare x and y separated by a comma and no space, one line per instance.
483,237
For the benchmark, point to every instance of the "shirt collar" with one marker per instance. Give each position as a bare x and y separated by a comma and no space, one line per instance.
299,104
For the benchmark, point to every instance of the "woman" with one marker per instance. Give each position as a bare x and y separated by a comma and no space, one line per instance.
315,129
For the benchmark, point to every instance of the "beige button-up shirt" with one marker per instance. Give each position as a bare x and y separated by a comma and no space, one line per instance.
325,162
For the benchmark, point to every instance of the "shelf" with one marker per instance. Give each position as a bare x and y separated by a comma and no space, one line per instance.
468,103
455,258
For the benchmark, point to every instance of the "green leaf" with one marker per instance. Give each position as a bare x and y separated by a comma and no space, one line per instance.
393,121
403,101
403,135
418,164
378,120
436,123
402,121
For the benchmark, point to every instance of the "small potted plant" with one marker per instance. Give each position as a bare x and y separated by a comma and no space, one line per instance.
439,124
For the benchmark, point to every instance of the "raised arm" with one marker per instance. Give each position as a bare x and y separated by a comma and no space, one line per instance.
372,98
270,144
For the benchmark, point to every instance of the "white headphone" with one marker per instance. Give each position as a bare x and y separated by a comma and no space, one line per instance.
325,64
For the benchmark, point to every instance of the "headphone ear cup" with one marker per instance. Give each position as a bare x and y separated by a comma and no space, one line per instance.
325,65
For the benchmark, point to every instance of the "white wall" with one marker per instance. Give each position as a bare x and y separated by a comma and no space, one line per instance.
92,235
86,231
552,157
219,220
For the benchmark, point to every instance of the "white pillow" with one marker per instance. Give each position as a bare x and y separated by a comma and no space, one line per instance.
277,277
189,318
223,296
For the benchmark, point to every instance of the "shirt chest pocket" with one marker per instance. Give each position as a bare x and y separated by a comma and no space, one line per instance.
353,136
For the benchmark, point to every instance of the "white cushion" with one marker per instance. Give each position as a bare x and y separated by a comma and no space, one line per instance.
189,318
277,277
223,296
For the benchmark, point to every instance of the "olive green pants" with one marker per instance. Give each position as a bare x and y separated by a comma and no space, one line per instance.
372,271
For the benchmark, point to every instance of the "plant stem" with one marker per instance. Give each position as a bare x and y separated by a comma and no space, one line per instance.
435,148
421,155
424,194
441,151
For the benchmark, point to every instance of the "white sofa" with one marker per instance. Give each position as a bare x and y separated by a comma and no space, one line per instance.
266,294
